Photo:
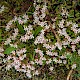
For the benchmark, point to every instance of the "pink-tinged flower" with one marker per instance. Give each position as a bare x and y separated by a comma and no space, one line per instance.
9,57
40,39
16,67
20,20
21,58
73,47
49,53
40,62
28,75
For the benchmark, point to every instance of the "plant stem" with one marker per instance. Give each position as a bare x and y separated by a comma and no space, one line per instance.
69,74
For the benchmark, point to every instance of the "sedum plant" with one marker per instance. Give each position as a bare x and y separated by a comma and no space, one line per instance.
36,39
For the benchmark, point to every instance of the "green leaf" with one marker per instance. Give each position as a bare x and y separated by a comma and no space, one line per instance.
37,31
20,27
9,50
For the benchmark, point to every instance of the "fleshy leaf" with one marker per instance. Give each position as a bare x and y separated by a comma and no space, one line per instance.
9,50
37,31
20,27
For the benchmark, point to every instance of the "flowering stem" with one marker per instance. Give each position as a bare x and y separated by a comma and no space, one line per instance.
69,74
54,32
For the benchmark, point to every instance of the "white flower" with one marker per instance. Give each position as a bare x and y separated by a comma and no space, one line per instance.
58,45
25,28
73,66
20,20
36,72
16,67
21,58
41,24
37,7
64,12
43,58
28,75
32,62
63,57
2,9
42,16
4,60
32,68
9,25
23,50
51,68
25,16
28,66
68,23
74,25
23,39
68,38
49,53
61,23
65,42
7,41
64,61
74,29
1,54
46,27
79,30
40,52
49,61
40,61
59,61
36,20
1,49
55,60
30,27
40,39
73,48
55,54
21,70
79,52
24,66
13,45
9,57
8,67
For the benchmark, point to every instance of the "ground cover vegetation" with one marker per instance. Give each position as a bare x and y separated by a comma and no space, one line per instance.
39,39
